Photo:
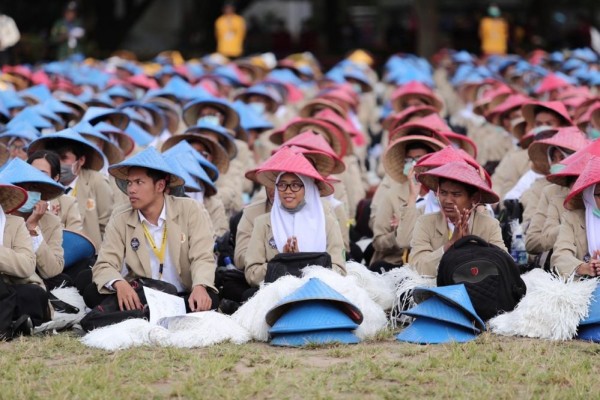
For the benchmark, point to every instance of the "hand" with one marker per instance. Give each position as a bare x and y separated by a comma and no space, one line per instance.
291,246
461,227
414,187
394,221
590,269
199,299
464,216
38,212
55,209
127,297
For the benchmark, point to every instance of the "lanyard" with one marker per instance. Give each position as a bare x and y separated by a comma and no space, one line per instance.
74,191
160,254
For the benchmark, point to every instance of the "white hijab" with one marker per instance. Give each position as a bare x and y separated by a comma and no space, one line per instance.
592,222
308,224
2,225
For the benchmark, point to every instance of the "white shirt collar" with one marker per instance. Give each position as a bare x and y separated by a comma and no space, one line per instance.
161,218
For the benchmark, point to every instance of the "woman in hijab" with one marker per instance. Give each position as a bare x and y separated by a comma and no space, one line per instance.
297,221
577,248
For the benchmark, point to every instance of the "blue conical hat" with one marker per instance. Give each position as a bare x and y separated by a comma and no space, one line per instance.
33,117
312,316
138,134
76,248
148,158
454,294
11,99
19,173
58,107
225,138
50,115
326,336
112,152
94,157
593,310
314,289
123,140
207,166
250,119
192,110
425,330
176,164
435,308
220,157
119,91
38,93
189,163
19,129
97,114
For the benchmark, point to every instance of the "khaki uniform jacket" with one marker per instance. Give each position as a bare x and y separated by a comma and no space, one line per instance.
384,187
384,236
530,199
571,245
189,240
17,260
95,199
512,167
353,181
554,219
541,235
431,233
230,188
216,210
244,230
69,214
50,258
261,248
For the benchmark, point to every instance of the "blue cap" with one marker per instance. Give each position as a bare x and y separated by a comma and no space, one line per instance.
19,173
315,337
425,330
314,289
76,248
312,316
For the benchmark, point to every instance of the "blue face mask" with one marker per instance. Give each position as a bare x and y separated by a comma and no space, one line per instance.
357,88
556,168
258,107
210,120
32,199
408,166
596,212
593,133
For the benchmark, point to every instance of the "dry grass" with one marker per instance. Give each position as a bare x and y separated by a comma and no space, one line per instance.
491,367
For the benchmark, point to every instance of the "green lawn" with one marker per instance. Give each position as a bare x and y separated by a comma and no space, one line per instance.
60,367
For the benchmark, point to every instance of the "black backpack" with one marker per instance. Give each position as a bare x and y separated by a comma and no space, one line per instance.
489,274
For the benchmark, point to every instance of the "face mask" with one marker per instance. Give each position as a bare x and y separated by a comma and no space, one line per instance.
258,107
210,120
596,212
32,199
556,168
494,11
46,131
407,166
593,133
357,88
66,173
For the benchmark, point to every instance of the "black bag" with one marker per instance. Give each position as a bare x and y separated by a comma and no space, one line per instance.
293,263
8,304
489,274
108,312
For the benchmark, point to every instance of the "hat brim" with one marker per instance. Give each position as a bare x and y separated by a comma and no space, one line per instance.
12,197
432,182
455,295
314,106
93,156
435,308
228,143
220,157
190,114
332,133
395,154
430,331
77,247
312,316
320,337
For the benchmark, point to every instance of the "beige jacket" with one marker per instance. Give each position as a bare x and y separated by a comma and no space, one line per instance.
17,260
216,210
431,233
571,245
384,235
190,246
512,167
554,219
542,231
95,199
50,258
244,230
69,214
530,199
353,182
261,248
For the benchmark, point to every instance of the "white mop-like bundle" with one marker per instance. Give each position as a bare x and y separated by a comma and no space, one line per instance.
551,309
60,320
380,289
252,314
126,334
405,280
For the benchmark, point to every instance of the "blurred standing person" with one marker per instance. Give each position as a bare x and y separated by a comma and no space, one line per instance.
230,31
493,32
9,36
67,33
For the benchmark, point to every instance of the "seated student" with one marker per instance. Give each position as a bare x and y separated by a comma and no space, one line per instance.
17,262
297,221
159,236
64,206
460,189
577,248
44,227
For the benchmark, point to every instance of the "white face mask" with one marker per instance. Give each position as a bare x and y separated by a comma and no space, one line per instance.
258,107
210,120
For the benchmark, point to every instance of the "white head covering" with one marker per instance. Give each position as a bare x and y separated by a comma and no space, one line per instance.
430,203
198,196
2,225
308,224
592,222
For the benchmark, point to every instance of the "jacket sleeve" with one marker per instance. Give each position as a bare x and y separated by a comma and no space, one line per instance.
242,239
384,237
552,223
104,203
335,246
216,210
201,242
50,258
256,257
111,255
406,225
533,236
72,217
423,257
564,258
18,260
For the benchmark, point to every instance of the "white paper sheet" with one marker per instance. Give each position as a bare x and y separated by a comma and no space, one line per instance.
163,305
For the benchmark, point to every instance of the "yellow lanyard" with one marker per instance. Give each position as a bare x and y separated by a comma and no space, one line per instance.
74,191
160,254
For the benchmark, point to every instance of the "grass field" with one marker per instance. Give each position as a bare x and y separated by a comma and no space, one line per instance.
59,367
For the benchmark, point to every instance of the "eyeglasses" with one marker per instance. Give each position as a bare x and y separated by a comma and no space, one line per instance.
14,147
294,186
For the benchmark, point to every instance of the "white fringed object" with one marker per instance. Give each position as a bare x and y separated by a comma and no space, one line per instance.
380,289
126,334
551,309
61,321
405,279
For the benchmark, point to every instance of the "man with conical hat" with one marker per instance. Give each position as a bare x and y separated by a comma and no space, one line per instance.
80,163
159,236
